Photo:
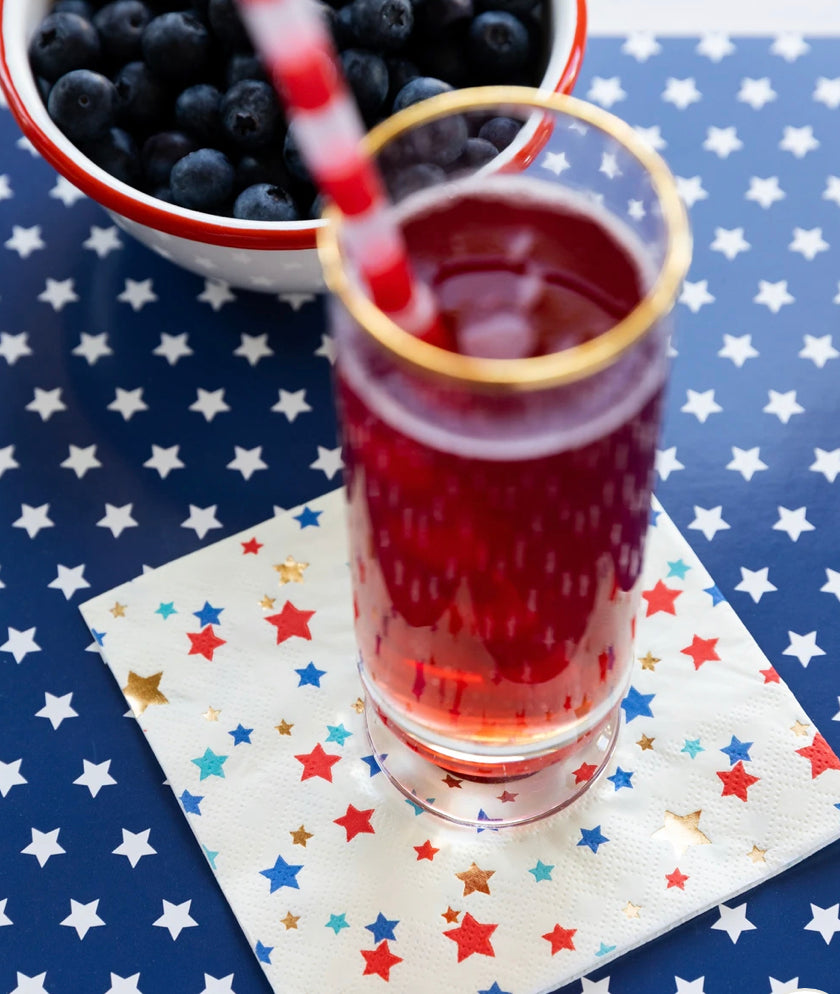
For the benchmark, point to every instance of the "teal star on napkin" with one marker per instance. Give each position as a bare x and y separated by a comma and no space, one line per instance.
210,764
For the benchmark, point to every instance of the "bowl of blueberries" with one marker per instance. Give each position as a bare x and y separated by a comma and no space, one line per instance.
161,111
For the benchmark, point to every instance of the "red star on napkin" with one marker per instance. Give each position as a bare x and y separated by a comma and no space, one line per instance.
317,763
701,651
252,546
204,643
472,937
736,781
426,851
356,822
584,772
770,675
660,598
820,755
676,879
380,960
290,621
560,938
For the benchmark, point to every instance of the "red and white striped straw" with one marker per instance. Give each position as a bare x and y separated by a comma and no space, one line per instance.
294,42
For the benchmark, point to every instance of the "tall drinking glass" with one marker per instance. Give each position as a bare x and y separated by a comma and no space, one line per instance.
498,484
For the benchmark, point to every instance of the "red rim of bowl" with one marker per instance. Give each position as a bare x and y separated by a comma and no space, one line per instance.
192,225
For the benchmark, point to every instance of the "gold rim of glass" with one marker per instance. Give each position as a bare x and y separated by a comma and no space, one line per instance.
533,372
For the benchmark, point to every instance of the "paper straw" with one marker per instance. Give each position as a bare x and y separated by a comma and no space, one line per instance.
293,40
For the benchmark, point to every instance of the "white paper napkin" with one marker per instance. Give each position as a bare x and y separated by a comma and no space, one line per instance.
239,661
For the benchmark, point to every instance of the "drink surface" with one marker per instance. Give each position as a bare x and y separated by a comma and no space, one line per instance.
497,539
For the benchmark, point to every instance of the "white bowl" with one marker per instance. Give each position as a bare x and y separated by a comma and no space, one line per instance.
274,257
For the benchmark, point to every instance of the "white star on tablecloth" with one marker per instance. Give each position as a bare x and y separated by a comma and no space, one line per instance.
134,846
827,91
701,404
667,462
738,348
172,347
66,192
636,209
595,986
709,521
641,45
329,461
827,463
695,295
43,846
783,405
832,189
210,403
253,348
20,643
808,242
175,918
793,521
733,921
291,403
58,293
790,46
609,165
755,583
247,461
216,293
202,519
117,519
33,519
164,460
46,403
606,92
95,776
722,141
799,141
30,985
124,985
296,300
804,647
25,241
103,241
681,92
730,241
7,459
652,137
555,162
5,187
818,350
4,918
774,296
765,191
218,985
57,709
10,775
783,986
69,580
14,347
137,293
81,460
83,917
326,349
128,402
93,347
691,189
715,45
746,462
689,986
756,92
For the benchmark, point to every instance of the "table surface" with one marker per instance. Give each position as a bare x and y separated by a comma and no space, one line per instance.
144,413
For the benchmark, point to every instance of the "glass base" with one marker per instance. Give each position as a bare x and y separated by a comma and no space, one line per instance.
490,805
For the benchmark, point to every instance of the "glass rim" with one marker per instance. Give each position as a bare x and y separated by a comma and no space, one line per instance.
533,372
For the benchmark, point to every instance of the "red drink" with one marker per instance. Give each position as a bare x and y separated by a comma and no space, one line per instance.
497,537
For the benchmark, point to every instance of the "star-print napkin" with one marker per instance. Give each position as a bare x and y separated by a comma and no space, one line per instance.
239,663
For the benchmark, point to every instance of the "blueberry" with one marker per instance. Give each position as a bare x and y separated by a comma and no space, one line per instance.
477,153
500,131
202,180
292,157
142,99
439,142
80,7
367,76
226,24
63,41
382,24
116,153
432,15
420,88
267,167
250,114
264,202
160,153
343,28
415,177
177,46
197,112
244,65
498,45
400,72
120,25
83,104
